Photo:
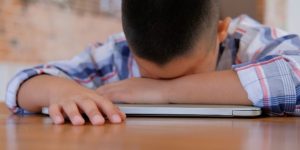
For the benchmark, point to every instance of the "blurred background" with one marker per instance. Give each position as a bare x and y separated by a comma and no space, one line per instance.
38,31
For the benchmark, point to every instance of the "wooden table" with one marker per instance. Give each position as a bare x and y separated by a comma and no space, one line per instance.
38,132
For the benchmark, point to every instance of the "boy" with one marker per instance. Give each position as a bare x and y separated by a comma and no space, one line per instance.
177,52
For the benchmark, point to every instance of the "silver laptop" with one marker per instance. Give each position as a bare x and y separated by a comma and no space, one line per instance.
191,110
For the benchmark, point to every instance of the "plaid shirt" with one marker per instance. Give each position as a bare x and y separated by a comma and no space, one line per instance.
266,59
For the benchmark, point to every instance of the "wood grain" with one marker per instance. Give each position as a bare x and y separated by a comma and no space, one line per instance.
38,132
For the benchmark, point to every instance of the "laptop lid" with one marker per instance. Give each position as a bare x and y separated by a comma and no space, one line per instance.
184,110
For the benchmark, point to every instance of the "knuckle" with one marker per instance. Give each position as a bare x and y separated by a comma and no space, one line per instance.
112,108
108,106
66,105
53,112
108,88
79,97
92,112
86,103
105,102
72,114
69,109
53,108
90,108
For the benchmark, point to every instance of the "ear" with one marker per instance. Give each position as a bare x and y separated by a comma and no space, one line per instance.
222,29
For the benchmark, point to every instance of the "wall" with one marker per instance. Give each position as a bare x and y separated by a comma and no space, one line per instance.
233,8
283,14
275,13
293,19
38,31
7,70
44,30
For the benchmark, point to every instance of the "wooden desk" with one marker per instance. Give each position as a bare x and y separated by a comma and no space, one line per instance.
38,132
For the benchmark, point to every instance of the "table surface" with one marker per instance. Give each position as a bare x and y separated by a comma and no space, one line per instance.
38,132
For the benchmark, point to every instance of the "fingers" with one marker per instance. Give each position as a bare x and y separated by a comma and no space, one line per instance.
91,110
113,93
94,106
56,114
91,107
122,114
107,92
109,109
104,91
73,113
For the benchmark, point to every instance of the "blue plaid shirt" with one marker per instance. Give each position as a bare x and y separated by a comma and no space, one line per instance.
266,59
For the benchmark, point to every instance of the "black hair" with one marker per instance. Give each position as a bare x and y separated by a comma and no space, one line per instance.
161,30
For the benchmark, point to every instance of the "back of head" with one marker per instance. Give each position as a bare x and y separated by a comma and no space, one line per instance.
161,30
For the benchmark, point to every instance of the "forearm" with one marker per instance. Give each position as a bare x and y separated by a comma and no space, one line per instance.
221,87
36,92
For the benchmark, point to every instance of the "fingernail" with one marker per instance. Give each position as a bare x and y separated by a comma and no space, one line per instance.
58,120
78,120
116,119
97,119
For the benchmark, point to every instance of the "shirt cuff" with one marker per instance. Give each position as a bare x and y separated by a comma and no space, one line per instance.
20,78
269,84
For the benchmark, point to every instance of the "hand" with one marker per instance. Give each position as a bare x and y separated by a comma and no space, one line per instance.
136,90
83,101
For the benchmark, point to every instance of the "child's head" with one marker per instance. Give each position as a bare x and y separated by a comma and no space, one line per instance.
173,38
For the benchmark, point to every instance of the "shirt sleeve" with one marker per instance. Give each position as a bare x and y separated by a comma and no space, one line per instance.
272,84
268,66
90,69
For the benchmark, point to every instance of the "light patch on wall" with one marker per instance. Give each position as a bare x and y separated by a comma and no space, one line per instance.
293,20
7,71
275,13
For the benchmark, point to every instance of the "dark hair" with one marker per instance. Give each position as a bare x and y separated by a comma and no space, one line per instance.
160,30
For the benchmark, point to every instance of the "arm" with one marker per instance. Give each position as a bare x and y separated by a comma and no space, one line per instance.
65,87
221,87
33,95
271,83
268,67
65,96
